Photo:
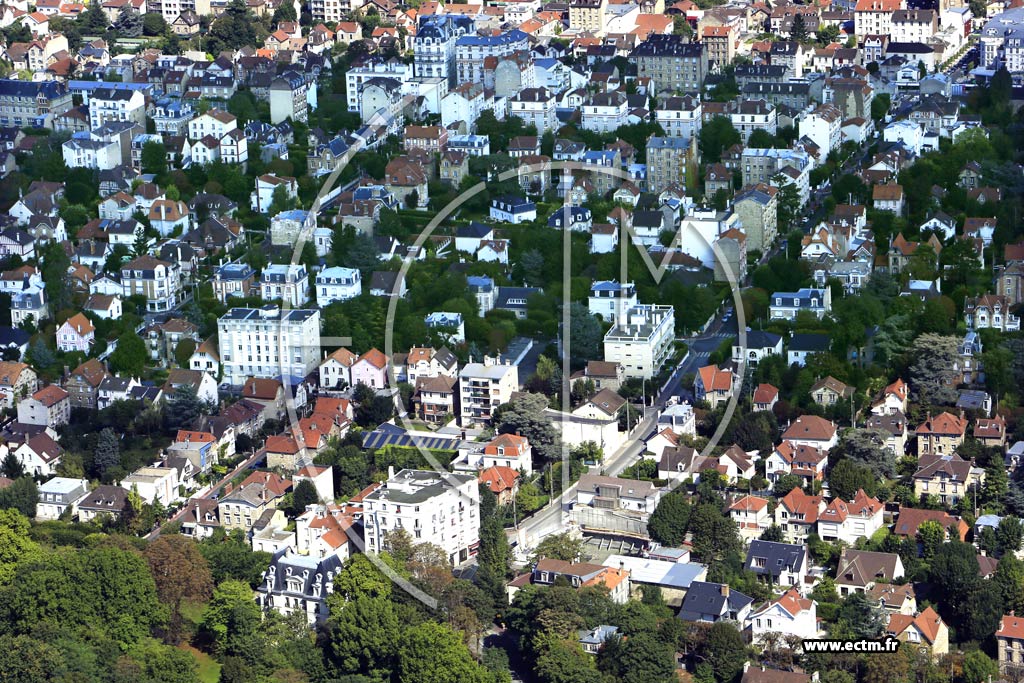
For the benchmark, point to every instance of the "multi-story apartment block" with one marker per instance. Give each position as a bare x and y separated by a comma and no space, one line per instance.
775,166
215,123
535,106
158,281
434,45
116,104
641,339
1002,41
874,17
757,208
610,299
33,103
357,76
288,283
754,115
268,342
824,127
720,43
588,15
671,63
441,509
288,98
914,25
941,434
680,117
669,161
605,112
482,388
472,50
50,407
337,284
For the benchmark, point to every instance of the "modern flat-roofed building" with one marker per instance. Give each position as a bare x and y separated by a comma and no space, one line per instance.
268,342
442,509
641,340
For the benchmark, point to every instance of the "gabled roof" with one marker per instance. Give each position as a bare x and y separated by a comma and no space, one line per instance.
928,623
862,567
499,478
765,393
943,424
810,427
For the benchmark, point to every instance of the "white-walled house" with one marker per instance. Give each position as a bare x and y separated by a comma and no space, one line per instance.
337,284
614,493
76,334
847,521
790,615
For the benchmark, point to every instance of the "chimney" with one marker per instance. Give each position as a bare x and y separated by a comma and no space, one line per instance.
391,471
725,590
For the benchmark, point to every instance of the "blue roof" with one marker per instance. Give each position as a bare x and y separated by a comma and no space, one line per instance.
576,213
479,281
606,286
513,36
17,88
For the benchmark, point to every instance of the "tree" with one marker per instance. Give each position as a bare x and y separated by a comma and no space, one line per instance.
524,415
774,533
798,32
130,355
998,364
848,476
1009,535
933,375
108,452
978,667
644,658
716,136
153,24
861,618
669,521
376,410
12,467
787,483
180,571
154,156
867,447
954,571
714,534
880,106
433,653
562,546
930,535
303,495
182,408
183,351
562,661
363,636
724,650
15,544
585,335
230,556
128,23
1009,577
360,578
22,495
788,198
232,619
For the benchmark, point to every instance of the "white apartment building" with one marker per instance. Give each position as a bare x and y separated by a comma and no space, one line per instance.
471,51
534,106
268,342
158,281
610,299
337,284
289,98
605,112
680,117
914,25
285,282
754,115
482,388
1002,41
443,510
92,153
116,104
824,127
641,340
154,484
874,17
356,77
214,122
434,44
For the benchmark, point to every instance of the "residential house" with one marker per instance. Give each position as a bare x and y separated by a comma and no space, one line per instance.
83,383
39,455
797,514
751,515
713,602
947,477
925,630
909,519
830,391
791,615
813,431
49,407
941,434
76,334
860,571
105,501
17,381
848,521
59,495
